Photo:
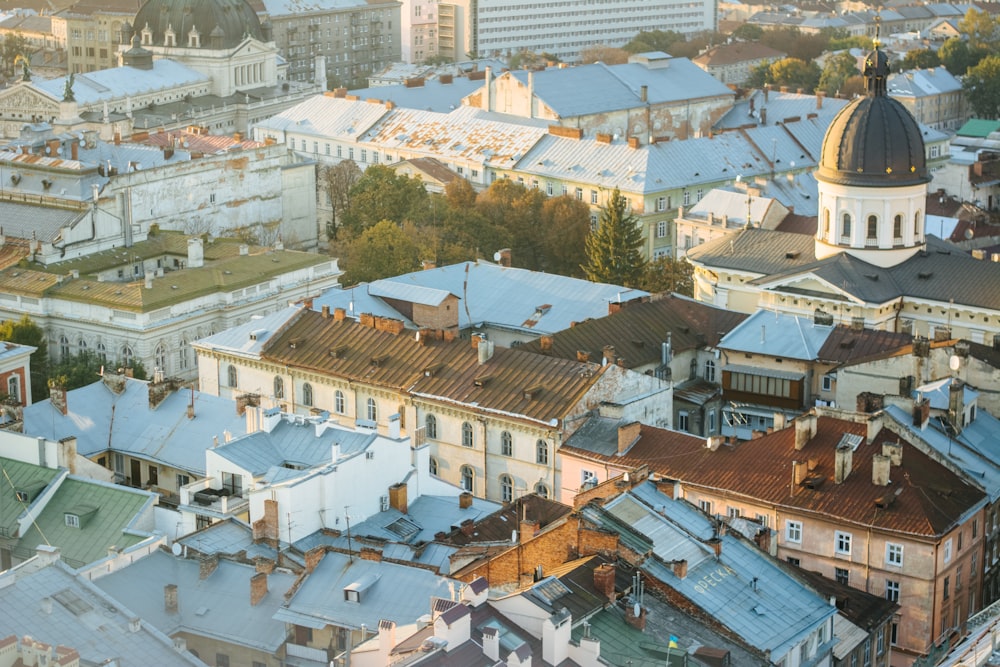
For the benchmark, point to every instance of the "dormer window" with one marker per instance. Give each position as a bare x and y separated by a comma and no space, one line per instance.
194,39
147,36
170,37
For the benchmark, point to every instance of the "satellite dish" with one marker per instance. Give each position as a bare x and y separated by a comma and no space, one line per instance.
175,549
954,362
513,536
636,610
496,256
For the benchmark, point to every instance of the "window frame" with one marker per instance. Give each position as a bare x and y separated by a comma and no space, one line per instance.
793,531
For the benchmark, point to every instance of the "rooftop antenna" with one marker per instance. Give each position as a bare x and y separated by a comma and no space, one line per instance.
350,551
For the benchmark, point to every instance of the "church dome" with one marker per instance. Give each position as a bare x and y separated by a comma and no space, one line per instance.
232,21
874,141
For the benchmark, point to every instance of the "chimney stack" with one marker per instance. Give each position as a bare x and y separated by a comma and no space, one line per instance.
956,404
805,430
628,435
207,565
680,568
604,580
258,588
844,461
397,497
170,598
464,500
880,470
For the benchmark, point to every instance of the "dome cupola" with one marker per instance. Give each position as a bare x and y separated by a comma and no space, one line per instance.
232,20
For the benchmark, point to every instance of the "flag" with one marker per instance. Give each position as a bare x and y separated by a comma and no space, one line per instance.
673,641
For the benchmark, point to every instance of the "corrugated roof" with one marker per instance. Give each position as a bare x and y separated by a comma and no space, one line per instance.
847,344
118,82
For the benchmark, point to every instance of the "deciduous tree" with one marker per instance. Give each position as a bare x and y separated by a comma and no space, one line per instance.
25,332
982,87
385,249
382,194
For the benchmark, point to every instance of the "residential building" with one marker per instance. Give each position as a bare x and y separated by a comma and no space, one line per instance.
44,598
494,417
221,609
871,258
91,31
734,63
934,97
825,486
15,373
354,38
722,213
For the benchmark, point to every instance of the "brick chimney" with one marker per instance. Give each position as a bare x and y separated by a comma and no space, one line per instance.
313,557
604,580
397,497
680,568
170,598
921,412
464,500
610,357
339,314
467,527
628,435
258,588
956,404
368,553
637,622
504,257
57,396
526,529
207,565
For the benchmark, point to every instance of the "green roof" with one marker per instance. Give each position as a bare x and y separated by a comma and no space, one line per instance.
979,127
623,645
104,511
18,476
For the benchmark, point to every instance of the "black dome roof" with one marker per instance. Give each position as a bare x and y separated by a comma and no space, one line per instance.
234,19
874,141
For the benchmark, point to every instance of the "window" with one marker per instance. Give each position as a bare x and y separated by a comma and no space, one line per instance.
102,354
893,632
542,452
892,590
182,480
338,402
826,222
468,478
506,488
506,444
975,528
711,421
868,652
542,490
64,348
710,370
279,387
221,660
431,422
548,189
467,440
160,357
372,410
682,420
233,482
733,512
579,193
72,520
897,227
231,376
894,554
307,394
432,466
661,203
14,388
845,230
947,551
793,531
946,589
705,506
872,227
842,543
661,229
762,519
842,575
154,475
593,196
793,561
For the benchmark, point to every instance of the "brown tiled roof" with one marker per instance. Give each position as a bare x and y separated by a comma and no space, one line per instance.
497,527
863,609
846,344
930,497
797,224
432,167
638,331
197,143
514,382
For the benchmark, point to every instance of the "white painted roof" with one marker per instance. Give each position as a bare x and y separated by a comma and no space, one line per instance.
119,82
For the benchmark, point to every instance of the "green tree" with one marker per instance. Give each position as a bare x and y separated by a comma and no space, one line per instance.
335,183
795,73
516,210
383,250
654,40
980,28
749,32
86,367
982,87
565,224
843,42
25,332
838,69
382,194
14,45
920,59
666,274
614,250
760,76
605,54
958,57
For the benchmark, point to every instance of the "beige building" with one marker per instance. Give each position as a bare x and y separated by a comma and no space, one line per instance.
733,63
934,97
91,32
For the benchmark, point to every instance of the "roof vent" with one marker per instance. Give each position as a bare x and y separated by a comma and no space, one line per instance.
377,361
530,393
338,352
294,343
25,493
258,334
482,380
924,275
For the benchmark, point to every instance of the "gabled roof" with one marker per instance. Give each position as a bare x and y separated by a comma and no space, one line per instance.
83,617
432,95
847,344
777,334
512,382
497,527
100,420
639,330
24,477
216,607
737,52
923,83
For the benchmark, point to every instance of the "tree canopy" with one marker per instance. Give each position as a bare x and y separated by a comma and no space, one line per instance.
25,332
614,249
982,87
838,69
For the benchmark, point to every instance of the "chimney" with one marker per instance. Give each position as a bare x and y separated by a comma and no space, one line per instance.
325,312
258,588
313,557
526,529
428,264
763,113
464,500
74,148
763,540
485,351
956,404
545,343
716,544
805,430
610,358
196,253
57,396
644,93
844,460
880,470
819,99
799,470
170,598
636,621
368,553
339,314
894,450
504,257
397,497
262,564
680,568
207,565
386,639
604,580
468,527
491,643
921,412
628,435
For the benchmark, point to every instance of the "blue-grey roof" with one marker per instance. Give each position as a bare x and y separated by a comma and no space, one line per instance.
228,536
82,617
938,393
119,82
432,95
248,338
25,221
975,450
102,420
775,615
777,335
319,601
287,7
325,116
217,607
923,83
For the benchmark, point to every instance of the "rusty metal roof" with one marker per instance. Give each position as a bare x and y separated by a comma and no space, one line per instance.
847,344
515,383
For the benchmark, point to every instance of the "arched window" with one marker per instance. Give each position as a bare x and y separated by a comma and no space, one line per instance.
432,465
872,227
432,426
307,394
128,356
81,346
338,402
467,439
182,353
918,230
232,377
160,357
372,411
279,387
506,488
102,353
897,227
14,388
63,348
826,223
710,370
506,444
542,490
542,452
845,230
468,478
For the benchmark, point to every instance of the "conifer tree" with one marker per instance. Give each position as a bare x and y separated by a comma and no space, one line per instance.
614,249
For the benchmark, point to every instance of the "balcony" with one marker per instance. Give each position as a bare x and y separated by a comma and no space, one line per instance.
201,498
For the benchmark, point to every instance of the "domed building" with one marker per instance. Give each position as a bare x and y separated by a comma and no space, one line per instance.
869,260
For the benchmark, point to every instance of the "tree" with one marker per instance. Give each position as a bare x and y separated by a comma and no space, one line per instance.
531,60
980,28
838,69
382,194
982,87
795,73
14,45
335,182
844,42
666,274
958,57
25,332
654,40
565,224
749,32
383,250
920,59
604,54
85,368
614,249
760,75
514,212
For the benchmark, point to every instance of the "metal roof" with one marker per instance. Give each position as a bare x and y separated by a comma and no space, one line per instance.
923,83
20,476
227,536
433,95
777,334
118,82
